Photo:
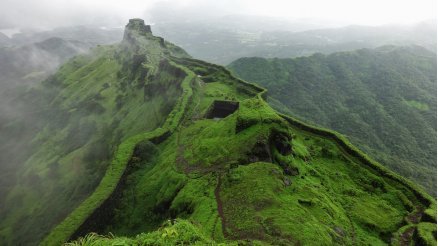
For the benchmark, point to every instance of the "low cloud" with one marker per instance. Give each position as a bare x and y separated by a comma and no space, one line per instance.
54,13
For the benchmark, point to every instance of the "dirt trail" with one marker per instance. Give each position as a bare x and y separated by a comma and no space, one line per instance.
415,216
406,236
220,206
183,165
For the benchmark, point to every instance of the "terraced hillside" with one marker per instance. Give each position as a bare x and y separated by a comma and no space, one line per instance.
224,167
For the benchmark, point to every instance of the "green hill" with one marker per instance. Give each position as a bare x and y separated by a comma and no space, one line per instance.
383,100
226,168
56,151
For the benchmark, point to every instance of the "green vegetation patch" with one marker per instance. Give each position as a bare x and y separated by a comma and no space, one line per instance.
179,232
418,105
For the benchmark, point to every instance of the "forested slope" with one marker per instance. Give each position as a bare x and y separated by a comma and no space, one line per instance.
384,100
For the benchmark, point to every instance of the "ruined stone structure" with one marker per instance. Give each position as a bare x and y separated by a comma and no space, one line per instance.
221,109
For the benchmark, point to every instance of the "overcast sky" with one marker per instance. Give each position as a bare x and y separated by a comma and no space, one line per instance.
52,13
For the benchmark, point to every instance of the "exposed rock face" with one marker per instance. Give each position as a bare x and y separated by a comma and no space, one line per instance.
281,142
287,181
292,171
138,26
260,152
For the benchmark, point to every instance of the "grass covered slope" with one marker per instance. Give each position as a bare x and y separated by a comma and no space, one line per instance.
254,177
115,172
81,115
180,232
383,100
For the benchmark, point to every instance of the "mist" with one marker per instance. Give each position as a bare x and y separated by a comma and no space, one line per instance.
46,14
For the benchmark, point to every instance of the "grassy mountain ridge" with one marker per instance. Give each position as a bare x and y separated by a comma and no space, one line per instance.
231,170
384,100
74,121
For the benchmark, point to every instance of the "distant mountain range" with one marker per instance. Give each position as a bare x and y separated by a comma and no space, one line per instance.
222,40
4,40
85,34
223,44
37,59
23,66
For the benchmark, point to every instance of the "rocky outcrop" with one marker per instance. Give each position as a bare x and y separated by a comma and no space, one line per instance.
138,26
